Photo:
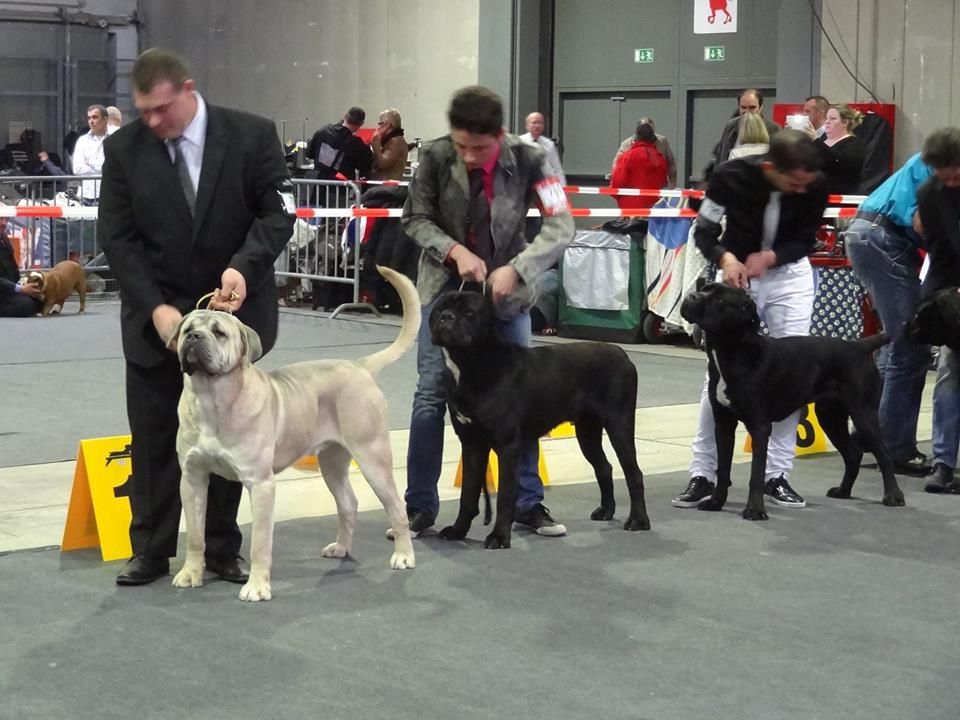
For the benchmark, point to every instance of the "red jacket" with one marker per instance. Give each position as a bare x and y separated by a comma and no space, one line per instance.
642,166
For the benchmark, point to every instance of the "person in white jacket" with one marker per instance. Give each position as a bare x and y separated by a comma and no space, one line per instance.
535,125
88,152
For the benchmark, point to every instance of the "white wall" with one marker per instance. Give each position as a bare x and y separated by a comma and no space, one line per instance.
312,59
907,51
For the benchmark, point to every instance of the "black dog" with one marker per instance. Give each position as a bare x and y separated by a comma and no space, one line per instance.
502,396
937,320
759,380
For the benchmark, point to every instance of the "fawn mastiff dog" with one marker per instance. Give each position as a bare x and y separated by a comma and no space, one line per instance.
502,396
759,380
246,425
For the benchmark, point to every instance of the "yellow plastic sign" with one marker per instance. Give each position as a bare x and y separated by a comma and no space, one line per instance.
99,512
811,439
493,470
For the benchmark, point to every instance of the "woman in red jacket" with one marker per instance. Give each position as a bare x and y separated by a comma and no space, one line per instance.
642,166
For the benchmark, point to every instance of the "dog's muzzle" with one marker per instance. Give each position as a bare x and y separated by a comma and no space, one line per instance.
691,309
194,355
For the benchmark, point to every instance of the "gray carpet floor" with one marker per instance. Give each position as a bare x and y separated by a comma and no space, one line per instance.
844,610
66,374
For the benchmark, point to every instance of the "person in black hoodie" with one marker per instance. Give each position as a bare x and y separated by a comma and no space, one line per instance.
336,148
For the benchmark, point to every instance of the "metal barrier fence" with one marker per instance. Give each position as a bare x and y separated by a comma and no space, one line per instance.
45,241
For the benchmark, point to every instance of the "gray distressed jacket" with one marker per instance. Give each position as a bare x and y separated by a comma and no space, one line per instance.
436,210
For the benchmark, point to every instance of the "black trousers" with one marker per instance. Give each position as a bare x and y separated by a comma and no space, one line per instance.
152,398
19,305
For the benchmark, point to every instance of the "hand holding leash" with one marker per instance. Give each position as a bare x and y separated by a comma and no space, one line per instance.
231,293
759,262
734,272
503,283
470,267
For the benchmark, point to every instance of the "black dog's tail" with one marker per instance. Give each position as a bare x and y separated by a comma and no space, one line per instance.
874,341
487,512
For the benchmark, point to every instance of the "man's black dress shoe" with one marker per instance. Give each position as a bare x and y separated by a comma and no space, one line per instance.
231,569
143,569
941,481
917,464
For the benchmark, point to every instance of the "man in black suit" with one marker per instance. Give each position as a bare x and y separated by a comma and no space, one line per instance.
194,198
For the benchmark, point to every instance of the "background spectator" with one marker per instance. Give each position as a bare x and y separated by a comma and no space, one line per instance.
535,125
842,151
642,166
815,108
389,147
752,136
336,148
750,100
88,152
663,145
15,300
114,119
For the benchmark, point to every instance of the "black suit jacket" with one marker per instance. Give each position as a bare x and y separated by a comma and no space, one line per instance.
161,255
939,208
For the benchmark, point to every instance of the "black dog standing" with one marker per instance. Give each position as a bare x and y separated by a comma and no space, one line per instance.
759,380
501,396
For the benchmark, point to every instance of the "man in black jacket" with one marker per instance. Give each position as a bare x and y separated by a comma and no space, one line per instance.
15,300
773,204
336,148
195,198
938,204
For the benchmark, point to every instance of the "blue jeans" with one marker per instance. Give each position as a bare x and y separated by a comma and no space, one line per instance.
425,448
887,263
946,409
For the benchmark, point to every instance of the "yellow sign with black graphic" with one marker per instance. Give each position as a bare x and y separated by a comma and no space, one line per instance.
99,511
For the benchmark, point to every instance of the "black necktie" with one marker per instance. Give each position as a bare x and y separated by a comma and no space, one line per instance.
185,182
479,217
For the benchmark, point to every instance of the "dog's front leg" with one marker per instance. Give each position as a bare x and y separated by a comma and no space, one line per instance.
725,431
508,457
760,436
193,496
262,495
475,458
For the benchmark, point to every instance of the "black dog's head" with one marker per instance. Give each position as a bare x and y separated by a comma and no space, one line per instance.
937,320
721,310
461,319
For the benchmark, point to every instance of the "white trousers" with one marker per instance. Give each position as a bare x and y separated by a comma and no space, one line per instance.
784,298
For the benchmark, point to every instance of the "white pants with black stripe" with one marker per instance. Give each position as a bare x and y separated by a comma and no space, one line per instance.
784,298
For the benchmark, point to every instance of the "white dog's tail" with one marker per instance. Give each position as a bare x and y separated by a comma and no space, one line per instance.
408,329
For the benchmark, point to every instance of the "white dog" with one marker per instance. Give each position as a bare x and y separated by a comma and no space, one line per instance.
246,424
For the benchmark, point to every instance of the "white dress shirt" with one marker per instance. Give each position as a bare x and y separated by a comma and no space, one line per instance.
192,142
88,160
553,157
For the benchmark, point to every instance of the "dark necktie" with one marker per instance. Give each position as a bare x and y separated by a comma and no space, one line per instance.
478,217
183,174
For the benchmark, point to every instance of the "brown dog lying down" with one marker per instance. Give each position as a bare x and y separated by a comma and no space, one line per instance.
58,284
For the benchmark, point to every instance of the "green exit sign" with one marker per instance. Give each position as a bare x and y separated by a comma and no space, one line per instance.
714,53
643,55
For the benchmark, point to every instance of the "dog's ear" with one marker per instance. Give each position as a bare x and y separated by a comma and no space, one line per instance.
171,343
252,348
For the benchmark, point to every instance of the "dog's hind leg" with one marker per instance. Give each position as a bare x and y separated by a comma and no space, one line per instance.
621,434
193,497
475,459
833,417
590,439
334,461
82,291
868,425
376,464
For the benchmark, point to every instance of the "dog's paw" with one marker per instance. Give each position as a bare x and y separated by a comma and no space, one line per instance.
335,550
894,499
403,561
602,513
637,523
189,577
256,590
710,504
750,513
495,541
452,532
838,492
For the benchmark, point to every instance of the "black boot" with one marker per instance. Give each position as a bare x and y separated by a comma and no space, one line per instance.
940,480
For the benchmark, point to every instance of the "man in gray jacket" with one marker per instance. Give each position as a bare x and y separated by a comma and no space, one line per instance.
466,208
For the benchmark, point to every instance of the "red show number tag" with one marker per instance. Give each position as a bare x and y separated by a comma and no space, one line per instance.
553,200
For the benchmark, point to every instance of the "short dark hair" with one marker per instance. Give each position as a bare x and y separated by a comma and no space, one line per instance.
757,93
645,132
158,65
99,108
822,103
477,110
793,150
941,149
355,116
